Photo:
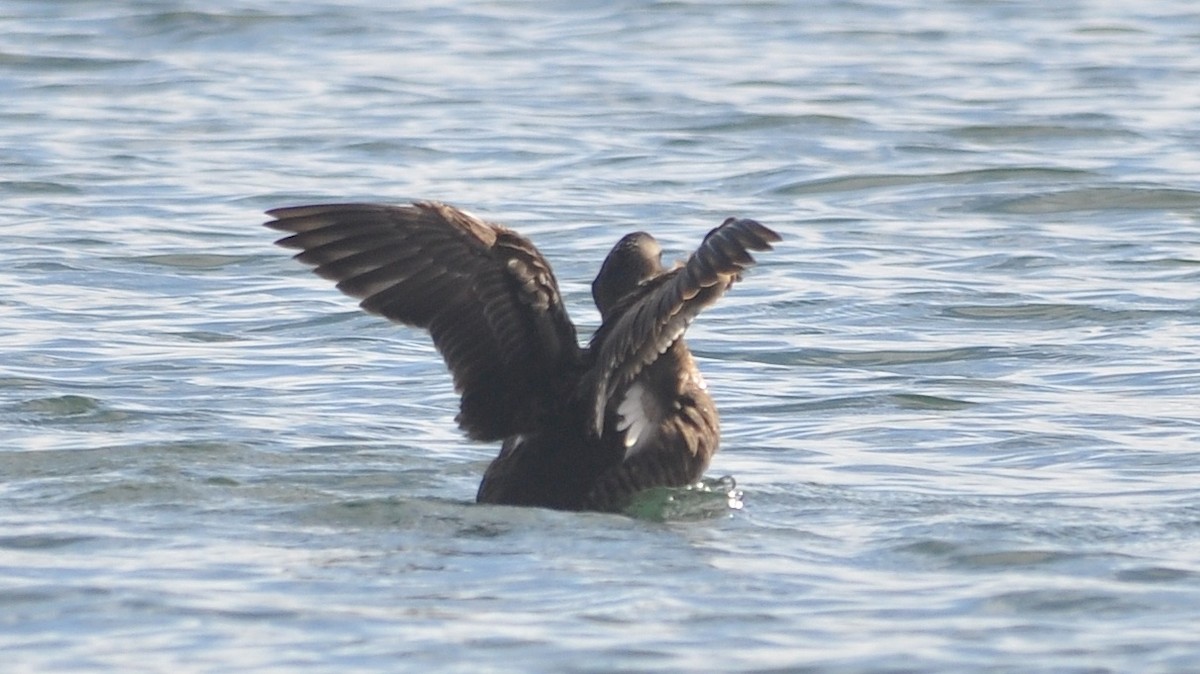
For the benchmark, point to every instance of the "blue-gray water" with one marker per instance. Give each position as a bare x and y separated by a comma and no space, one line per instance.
961,396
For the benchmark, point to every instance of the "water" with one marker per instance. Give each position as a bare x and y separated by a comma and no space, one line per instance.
959,397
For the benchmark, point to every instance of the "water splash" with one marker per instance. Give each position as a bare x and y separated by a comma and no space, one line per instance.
706,499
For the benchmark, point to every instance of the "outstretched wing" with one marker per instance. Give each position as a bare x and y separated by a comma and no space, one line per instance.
487,296
649,321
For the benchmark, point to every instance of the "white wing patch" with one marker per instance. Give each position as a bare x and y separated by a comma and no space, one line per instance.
634,418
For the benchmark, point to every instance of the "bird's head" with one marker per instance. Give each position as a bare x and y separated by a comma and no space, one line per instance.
635,259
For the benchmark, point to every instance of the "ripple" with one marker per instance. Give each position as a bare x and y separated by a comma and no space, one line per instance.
41,542
879,358
930,402
61,407
1087,128
1156,574
1062,601
1094,199
42,63
1049,313
192,260
988,175
36,187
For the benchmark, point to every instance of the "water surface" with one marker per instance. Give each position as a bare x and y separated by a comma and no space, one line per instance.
959,397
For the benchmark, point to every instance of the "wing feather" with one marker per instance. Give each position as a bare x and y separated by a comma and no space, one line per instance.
650,320
486,295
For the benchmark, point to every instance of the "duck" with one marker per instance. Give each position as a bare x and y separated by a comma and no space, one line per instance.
582,428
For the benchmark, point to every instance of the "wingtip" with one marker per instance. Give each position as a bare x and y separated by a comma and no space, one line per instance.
754,233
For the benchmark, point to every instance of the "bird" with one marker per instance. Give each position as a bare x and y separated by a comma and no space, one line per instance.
583,428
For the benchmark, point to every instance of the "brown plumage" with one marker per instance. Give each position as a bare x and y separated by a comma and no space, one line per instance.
582,428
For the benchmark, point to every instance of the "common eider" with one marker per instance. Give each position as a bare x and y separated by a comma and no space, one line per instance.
582,428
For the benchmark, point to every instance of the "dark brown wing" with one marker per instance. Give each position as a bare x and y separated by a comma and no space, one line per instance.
487,296
647,322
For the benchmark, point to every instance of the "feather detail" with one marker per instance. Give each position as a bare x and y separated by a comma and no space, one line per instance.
486,295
